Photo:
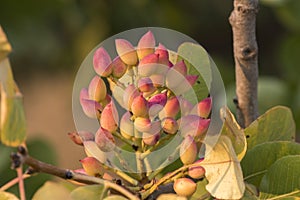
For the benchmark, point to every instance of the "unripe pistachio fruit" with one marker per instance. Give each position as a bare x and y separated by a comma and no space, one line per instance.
188,150
196,172
109,117
184,187
97,89
126,52
105,140
102,62
146,45
92,166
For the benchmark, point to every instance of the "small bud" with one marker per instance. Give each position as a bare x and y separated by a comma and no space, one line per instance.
102,62
126,126
81,136
142,124
158,80
130,93
145,85
139,106
92,166
188,150
119,68
150,139
126,52
148,65
184,187
105,140
193,125
109,117
203,108
163,54
169,125
146,45
91,108
75,138
196,172
97,89
171,108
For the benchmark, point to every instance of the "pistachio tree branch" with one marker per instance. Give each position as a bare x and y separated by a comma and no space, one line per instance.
243,21
21,157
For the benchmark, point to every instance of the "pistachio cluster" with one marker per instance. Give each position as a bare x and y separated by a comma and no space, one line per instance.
153,87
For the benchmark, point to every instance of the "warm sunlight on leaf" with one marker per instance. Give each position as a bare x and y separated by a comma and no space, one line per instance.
236,134
223,171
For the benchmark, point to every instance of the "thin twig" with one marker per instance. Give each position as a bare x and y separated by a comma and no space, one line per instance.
22,158
21,183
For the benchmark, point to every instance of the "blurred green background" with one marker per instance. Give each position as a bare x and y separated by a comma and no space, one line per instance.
50,39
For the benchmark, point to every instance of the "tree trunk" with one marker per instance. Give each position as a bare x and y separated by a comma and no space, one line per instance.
243,22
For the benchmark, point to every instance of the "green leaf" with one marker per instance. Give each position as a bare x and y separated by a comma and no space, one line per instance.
198,63
201,192
258,160
7,196
277,124
282,179
91,192
51,190
115,197
12,117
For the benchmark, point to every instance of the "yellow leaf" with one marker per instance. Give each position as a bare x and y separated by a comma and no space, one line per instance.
5,47
12,117
236,134
223,170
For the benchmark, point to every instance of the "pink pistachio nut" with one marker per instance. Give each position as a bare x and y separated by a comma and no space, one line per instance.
203,108
169,125
188,150
130,93
105,140
146,45
184,187
119,67
196,172
109,117
139,106
193,125
145,84
126,52
97,89
92,166
171,108
148,65
102,62
174,80
91,108
180,67
142,124
163,54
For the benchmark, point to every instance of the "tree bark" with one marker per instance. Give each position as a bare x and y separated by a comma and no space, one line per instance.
243,23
